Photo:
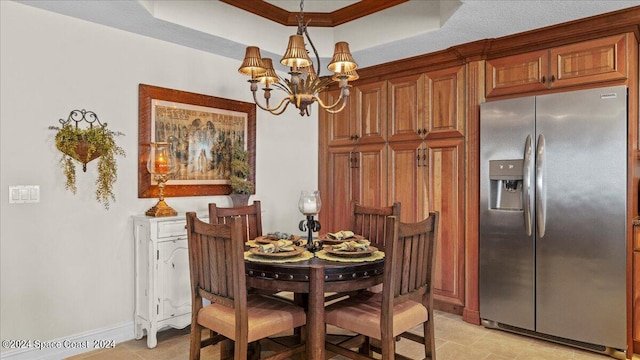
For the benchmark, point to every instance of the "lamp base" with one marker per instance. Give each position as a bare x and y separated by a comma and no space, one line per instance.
161,209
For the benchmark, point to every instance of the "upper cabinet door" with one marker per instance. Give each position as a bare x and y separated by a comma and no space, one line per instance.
340,127
582,63
406,108
370,101
517,74
444,105
590,61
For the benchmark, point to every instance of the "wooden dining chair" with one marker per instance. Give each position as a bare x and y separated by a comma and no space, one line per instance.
251,218
406,300
216,263
369,221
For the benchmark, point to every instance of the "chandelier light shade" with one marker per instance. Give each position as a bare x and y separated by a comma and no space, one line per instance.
305,83
252,64
296,55
342,61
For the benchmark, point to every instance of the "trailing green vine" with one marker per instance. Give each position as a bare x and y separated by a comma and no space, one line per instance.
98,142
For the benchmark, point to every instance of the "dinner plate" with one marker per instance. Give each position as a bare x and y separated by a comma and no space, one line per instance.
326,240
264,240
351,254
279,255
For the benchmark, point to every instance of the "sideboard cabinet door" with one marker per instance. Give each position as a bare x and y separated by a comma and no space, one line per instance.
162,281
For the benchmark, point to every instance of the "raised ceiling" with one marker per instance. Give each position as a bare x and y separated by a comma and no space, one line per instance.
318,13
406,29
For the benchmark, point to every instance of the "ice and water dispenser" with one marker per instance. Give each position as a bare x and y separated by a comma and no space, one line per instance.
506,184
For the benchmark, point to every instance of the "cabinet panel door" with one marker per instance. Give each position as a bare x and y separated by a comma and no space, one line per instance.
445,102
406,109
174,278
371,172
446,181
341,127
407,179
517,74
589,61
339,189
371,111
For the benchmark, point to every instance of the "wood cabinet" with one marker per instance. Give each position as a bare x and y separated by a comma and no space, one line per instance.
636,288
408,148
363,120
354,160
407,120
352,173
581,63
430,128
162,282
446,195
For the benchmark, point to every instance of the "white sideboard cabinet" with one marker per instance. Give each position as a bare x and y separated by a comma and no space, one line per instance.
162,282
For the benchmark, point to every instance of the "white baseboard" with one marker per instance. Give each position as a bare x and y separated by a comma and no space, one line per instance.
72,345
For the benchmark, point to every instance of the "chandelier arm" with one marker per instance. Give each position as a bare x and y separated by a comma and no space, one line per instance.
328,107
271,109
274,112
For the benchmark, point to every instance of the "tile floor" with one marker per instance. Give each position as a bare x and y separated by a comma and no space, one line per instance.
455,340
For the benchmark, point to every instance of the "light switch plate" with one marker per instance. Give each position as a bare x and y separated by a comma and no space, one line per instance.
23,194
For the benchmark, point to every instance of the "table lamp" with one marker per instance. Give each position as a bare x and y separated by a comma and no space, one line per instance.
309,205
161,164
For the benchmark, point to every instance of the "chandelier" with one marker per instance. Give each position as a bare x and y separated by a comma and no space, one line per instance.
305,84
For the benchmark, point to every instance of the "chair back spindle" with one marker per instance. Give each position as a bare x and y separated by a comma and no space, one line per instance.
370,221
250,218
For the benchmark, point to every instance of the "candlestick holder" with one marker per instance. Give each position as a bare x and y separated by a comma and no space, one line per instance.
161,164
309,205
311,225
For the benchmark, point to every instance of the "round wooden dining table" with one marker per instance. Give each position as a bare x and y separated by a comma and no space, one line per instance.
314,277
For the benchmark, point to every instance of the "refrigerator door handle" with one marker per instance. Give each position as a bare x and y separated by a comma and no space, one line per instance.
526,182
540,188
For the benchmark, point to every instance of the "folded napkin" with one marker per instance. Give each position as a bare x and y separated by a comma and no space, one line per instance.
277,246
279,236
341,235
353,245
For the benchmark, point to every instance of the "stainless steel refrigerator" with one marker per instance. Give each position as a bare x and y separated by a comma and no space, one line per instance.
553,180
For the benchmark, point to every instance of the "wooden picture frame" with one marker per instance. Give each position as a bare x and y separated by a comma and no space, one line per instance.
198,127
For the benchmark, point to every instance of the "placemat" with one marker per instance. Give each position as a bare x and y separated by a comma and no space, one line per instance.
326,256
302,257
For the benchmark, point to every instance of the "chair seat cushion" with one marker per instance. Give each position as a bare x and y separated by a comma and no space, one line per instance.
267,317
361,314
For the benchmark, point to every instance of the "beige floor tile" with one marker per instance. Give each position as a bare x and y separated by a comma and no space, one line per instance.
455,340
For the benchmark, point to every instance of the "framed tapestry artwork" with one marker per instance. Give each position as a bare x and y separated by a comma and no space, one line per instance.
201,131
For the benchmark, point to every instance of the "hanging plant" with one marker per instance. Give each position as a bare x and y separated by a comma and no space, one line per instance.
85,145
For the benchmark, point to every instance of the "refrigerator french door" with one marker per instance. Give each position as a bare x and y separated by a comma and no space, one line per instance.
552,217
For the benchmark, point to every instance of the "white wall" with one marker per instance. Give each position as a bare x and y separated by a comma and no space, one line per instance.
66,262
